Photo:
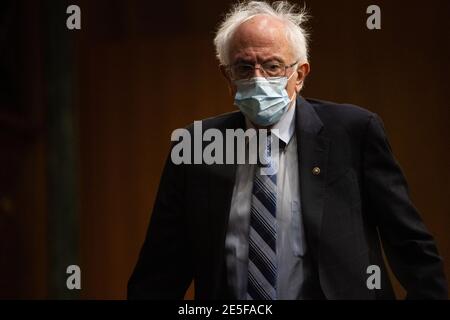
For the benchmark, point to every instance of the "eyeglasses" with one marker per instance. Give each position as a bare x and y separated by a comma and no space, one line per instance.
239,71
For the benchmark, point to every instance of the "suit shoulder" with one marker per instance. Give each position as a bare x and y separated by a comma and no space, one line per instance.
337,115
223,121
340,110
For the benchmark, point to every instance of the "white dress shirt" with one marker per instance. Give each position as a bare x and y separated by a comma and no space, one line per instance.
290,243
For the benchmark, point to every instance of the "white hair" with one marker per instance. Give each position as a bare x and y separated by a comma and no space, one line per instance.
288,13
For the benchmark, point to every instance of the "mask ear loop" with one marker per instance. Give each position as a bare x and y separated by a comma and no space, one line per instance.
301,85
295,93
291,76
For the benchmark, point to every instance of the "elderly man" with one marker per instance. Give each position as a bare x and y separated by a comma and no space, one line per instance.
311,230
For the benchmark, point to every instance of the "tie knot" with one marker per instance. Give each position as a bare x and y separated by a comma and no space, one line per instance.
268,155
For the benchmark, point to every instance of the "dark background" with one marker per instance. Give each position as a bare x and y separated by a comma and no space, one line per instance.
86,118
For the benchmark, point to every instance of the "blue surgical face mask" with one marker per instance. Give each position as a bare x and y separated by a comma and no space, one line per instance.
263,101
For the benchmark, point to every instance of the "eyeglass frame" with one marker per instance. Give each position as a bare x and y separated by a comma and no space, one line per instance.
255,66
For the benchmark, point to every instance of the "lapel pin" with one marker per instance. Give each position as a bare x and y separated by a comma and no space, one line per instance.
316,171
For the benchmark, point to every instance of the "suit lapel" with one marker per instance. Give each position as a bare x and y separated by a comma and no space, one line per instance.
312,147
221,182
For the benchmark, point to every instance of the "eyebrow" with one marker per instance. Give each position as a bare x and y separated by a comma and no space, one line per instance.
249,61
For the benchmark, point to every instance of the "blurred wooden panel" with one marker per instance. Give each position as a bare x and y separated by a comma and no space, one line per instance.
23,238
133,96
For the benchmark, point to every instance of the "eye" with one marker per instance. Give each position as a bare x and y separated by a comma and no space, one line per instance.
272,67
243,69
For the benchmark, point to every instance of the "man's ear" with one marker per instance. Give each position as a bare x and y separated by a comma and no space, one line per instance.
226,75
302,72
223,71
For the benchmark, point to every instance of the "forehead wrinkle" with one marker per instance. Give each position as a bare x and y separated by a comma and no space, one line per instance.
261,36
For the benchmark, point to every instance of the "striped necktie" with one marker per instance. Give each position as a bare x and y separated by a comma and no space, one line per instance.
262,265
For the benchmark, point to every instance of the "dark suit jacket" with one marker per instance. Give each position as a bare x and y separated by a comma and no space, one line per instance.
359,198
